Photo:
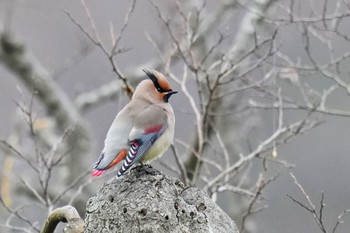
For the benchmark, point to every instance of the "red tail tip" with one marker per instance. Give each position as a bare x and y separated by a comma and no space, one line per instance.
96,172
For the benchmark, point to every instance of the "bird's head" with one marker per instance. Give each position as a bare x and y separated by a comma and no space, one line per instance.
159,88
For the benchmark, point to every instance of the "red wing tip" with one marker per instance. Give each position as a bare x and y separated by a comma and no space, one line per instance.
96,172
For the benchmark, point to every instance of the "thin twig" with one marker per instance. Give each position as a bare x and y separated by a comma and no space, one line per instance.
18,215
310,207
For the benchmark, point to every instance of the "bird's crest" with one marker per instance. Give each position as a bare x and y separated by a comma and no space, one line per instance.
159,81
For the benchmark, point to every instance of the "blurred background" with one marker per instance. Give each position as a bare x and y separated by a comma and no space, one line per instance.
263,92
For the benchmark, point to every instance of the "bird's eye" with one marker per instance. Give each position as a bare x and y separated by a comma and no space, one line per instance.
159,89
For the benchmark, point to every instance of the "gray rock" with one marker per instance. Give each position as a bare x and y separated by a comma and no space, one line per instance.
144,200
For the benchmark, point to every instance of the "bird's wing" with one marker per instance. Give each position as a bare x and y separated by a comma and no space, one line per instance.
149,125
115,145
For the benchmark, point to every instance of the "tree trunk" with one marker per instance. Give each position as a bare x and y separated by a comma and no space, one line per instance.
145,200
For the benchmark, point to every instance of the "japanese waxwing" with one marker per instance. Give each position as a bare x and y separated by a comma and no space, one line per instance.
143,130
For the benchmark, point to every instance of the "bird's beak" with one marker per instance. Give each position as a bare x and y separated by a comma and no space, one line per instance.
168,94
171,92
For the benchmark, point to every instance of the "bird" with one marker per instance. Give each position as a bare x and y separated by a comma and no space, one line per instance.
143,130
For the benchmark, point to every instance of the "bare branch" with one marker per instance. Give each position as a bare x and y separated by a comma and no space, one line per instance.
339,221
115,41
18,215
32,190
98,42
295,127
261,184
310,207
69,187
58,105
64,214
14,150
180,165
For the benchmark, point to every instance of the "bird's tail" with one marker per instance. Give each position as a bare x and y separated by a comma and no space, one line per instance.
102,165
96,172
